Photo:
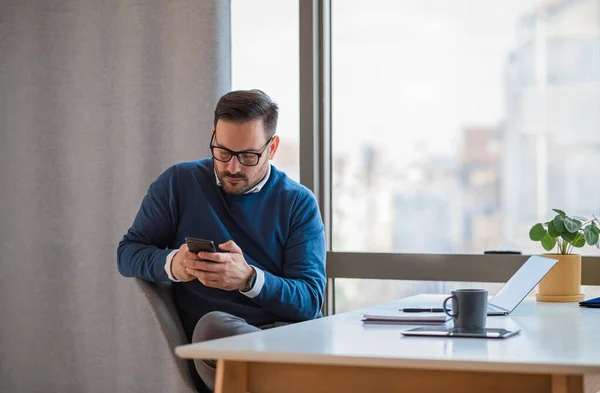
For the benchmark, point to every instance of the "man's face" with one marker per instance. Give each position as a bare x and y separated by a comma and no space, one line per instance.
250,136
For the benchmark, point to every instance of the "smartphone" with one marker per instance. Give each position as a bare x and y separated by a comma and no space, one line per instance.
198,245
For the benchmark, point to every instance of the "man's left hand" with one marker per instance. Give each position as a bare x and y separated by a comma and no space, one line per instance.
225,270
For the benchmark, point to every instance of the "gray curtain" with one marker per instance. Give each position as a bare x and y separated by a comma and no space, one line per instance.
97,98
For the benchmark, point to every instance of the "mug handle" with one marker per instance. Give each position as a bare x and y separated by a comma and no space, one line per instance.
446,311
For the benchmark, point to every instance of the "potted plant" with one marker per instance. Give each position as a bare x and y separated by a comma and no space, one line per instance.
563,282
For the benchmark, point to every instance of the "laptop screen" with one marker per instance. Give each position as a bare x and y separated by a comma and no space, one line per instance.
522,282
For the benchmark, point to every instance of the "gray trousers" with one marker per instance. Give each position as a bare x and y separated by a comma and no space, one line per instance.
215,325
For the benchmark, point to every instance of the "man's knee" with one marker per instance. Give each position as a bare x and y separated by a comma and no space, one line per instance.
217,324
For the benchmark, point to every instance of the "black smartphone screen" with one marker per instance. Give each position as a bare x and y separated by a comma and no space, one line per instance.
197,245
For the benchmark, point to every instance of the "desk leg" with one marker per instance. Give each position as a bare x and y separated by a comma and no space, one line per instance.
232,377
567,384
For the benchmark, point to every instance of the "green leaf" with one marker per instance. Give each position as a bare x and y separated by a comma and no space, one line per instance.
548,242
537,232
572,225
552,230
580,218
562,213
568,236
590,234
578,242
559,224
594,228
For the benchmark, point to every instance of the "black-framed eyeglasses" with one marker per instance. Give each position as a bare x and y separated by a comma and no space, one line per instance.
246,158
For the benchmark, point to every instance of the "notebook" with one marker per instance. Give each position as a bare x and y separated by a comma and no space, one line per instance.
400,318
593,303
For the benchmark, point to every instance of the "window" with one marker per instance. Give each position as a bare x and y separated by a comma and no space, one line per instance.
456,125
459,124
264,55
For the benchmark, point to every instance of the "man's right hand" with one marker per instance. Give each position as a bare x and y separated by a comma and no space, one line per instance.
178,264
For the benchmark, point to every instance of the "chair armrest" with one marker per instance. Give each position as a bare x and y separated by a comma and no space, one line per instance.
165,313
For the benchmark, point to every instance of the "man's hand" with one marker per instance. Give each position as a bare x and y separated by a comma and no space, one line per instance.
228,271
180,262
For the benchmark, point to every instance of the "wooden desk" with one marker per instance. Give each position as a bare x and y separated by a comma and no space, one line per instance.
558,344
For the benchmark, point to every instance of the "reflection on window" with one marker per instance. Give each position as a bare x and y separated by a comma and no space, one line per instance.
264,55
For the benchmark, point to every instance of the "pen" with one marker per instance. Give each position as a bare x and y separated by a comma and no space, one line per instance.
422,310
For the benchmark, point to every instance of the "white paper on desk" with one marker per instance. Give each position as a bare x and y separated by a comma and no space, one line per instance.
390,317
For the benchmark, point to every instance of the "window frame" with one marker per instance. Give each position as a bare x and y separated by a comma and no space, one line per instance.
315,173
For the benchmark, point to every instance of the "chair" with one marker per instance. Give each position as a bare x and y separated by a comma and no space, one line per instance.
164,311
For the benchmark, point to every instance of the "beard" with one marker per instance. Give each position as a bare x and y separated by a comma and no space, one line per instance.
239,183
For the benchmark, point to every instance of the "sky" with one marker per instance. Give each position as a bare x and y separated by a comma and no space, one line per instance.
406,74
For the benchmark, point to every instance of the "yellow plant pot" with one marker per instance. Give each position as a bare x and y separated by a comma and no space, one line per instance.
563,282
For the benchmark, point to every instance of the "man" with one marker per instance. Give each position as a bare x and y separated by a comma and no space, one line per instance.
270,266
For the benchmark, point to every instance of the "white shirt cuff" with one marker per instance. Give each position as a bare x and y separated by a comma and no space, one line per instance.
168,265
258,284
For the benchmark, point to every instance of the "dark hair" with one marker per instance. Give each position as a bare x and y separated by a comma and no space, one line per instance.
245,105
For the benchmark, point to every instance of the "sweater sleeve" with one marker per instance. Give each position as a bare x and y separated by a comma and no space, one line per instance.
143,250
298,295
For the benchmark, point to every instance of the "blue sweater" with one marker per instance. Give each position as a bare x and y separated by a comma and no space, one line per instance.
279,230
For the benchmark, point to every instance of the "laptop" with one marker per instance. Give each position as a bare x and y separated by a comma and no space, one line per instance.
520,284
